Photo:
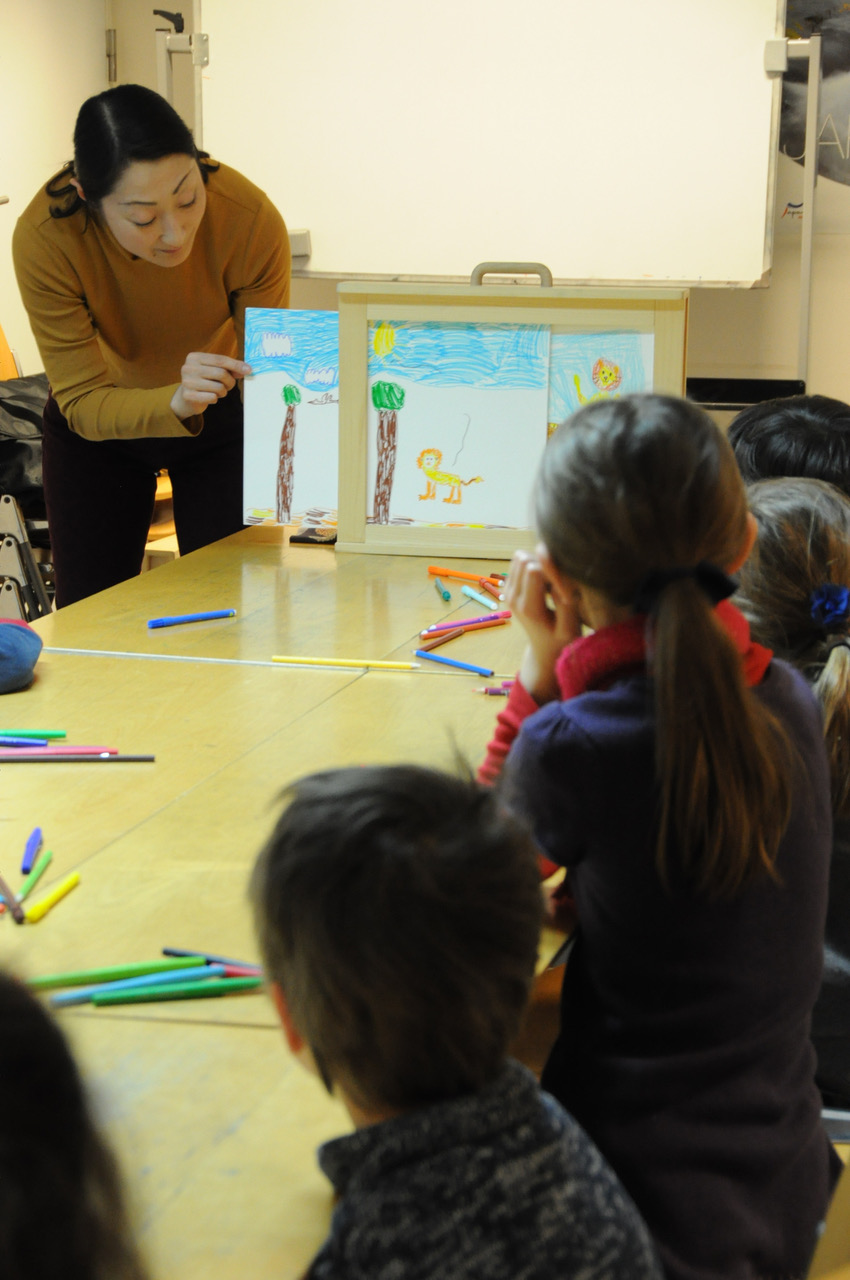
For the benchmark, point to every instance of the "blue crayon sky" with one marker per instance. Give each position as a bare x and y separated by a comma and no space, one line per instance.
301,345
449,354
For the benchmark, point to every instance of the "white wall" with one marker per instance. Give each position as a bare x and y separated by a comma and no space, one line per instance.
753,334
52,57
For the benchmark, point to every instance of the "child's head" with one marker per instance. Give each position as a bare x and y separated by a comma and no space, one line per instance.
796,436
61,1204
640,500
398,910
795,591
633,485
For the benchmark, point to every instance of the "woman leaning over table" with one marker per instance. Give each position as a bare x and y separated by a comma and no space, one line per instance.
136,263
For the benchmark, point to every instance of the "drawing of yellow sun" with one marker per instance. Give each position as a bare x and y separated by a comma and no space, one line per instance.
384,340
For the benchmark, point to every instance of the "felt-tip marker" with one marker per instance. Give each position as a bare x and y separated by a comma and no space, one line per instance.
453,662
191,617
33,844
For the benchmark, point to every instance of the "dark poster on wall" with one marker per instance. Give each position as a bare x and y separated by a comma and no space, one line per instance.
832,22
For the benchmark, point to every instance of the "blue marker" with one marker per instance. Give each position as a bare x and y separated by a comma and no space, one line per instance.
33,844
477,596
192,617
83,995
453,662
441,590
6,741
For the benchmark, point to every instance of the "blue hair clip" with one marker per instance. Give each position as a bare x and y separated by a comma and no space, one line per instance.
830,605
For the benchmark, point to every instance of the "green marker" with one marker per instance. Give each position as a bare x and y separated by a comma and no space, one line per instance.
34,876
441,590
179,991
32,733
112,973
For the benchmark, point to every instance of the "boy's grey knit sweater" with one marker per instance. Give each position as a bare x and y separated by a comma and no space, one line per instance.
501,1184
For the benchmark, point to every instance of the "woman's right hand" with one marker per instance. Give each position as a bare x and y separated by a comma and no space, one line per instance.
205,378
550,622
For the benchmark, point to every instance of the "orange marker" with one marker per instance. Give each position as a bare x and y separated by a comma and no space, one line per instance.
456,573
482,626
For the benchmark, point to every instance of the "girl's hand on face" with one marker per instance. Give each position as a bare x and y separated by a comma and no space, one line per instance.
205,378
550,618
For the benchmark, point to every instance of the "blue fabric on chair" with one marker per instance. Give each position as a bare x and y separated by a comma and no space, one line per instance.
19,650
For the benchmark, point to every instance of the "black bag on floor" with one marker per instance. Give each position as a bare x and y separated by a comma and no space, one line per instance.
21,403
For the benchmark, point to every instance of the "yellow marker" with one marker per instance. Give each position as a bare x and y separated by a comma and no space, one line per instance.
346,662
41,908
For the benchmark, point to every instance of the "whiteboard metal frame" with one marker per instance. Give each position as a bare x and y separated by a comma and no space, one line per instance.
661,312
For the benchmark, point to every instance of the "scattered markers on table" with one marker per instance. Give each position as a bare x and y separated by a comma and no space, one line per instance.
476,596
34,842
181,953
441,590
84,995
35,875
365,663
40,909
31,880
12,902
467,622
85,757
455,573
112,972
487,586
442,637
453,662
33,733
191,617
180,991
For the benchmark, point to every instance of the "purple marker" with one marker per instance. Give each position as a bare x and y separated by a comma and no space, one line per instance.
31,849
466,622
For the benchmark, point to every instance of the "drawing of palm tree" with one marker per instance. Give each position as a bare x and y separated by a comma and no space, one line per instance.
388,398
291,396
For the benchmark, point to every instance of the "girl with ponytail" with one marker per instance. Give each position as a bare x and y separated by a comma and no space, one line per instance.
795,593
678,772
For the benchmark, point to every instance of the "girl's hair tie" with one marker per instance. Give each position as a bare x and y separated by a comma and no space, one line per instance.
714,582
830,605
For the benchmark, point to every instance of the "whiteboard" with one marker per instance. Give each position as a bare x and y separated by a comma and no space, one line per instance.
619,141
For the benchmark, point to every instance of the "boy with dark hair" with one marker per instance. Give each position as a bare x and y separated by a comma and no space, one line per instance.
398,911
795,436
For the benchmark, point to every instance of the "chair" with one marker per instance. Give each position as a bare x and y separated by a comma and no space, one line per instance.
9,367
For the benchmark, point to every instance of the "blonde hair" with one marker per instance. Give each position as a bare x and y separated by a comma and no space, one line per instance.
639,485
803,545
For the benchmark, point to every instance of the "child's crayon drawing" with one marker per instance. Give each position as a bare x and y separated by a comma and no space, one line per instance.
591,366
431,461
463,406
291,414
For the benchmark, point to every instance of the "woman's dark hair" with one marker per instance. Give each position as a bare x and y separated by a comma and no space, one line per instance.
62,1211
399,910
803,551
114,129
629,487
795,436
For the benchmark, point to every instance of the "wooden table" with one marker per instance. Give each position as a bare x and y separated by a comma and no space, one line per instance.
215,1124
